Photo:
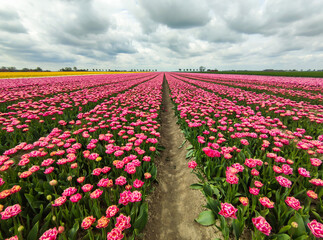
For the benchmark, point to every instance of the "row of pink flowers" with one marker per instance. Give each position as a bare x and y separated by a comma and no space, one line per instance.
273,103
267,84
223,129
107,157
21,114
14,89
306,83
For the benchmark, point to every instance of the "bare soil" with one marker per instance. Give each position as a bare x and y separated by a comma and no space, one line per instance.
173,206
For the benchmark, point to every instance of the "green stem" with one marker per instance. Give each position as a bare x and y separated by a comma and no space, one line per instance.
16,225
91,234
290,190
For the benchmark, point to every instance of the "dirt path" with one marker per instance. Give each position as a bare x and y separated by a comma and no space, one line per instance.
173,206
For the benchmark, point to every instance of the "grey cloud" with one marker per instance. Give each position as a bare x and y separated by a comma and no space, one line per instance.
217,31
280,46
81,20
28,52
147,24
120,47
232,57
77,1
273,17
86,26
310,28
12,27
177,14
311,31
290,12
178,45
240,17
8,15
10,22
8,43
66,39
85,32
104,47
48,57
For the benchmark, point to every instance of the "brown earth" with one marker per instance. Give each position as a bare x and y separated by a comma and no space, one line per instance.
173,206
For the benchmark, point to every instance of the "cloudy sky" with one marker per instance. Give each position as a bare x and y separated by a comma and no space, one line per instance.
162,34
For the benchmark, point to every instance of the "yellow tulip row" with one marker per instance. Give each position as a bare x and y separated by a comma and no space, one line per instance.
49,74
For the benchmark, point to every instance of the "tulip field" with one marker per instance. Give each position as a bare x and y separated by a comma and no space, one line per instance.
78,154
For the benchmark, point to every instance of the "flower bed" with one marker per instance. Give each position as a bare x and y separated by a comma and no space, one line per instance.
88,179
291,113
29,120
251,170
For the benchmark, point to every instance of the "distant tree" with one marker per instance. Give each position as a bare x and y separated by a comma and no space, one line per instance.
38,69
75,68
66,69
12,69
25,69
202,69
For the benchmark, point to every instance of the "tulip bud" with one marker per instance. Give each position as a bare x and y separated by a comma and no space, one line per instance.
52,153
53,182
49,197
54,218
21,228
69,178
80,179
147,175
61,229
294,224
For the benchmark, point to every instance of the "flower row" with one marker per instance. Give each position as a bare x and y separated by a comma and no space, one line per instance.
20,89
291,113
37,117
89,181
250,168
263,86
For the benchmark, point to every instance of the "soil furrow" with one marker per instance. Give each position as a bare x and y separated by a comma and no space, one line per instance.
173,206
